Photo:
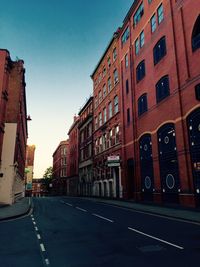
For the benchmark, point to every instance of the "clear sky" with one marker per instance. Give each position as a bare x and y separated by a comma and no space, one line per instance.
60,41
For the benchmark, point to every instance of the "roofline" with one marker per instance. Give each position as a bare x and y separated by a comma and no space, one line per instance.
115,35
73,125
129,13
60,144
85,105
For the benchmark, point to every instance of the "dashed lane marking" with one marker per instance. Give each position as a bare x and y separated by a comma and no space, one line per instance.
153,237
81,209
101,217
47,261
42,247
36,229
38,236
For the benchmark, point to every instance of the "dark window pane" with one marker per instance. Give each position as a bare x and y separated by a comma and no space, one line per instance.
162,88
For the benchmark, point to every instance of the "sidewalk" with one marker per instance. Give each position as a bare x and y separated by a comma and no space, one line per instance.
18,209
192,215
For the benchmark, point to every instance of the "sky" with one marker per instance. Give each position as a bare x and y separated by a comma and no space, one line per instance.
61,42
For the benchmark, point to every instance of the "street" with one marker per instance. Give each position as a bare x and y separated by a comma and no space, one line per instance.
72,232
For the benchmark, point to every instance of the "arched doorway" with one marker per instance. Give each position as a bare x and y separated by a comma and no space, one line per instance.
169,171
146,167
193,123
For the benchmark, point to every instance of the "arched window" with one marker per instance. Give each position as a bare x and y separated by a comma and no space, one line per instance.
196,35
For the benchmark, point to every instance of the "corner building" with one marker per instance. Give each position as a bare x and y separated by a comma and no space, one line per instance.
159,47
107,136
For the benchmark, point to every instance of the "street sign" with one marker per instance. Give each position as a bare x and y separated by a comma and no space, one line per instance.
113,164
113,158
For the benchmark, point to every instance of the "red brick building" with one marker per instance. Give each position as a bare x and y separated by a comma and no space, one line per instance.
86,148
15,133
107,123
159,49
30,155
5,64
73,158
60,163
60,160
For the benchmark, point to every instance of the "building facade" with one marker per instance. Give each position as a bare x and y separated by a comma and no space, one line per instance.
15,136
30,155
60,156
85,187
73,158
107,126
162,144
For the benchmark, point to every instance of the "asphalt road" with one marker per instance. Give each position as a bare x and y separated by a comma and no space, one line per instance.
73,232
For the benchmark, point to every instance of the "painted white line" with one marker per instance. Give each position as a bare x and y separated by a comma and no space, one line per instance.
153,237
36,229
34,223
33,219
61,201
99,216
31,215
47,261
81,209
42,247
68,204
38,236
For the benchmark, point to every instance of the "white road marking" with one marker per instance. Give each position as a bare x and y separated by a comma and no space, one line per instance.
38,236
33,219
81,209
34,222
36,229
47,261
68,204
99,216
42,247
153,237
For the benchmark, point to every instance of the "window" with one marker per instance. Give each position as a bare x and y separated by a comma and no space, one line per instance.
104,71
149,1
116,79
138,14
96,102
140,71
104,90
96,123
114,54
128,115
125,35
196,35
100,119
127,87
153,23
142,104
109,62
197,91
126,61
100,96
162,88
100,77
110,138
160,14
137,47
159,50
109,85
141,39
104,141
110,110
116,104
104,115
117,134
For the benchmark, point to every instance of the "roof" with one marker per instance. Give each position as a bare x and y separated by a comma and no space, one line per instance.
115,35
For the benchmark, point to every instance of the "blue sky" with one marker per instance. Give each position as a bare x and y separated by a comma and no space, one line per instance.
60,43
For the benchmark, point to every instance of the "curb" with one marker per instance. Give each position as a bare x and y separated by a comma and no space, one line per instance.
170,216
30,207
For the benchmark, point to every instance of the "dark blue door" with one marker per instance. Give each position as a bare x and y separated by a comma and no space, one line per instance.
168,161
193,122
146,166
